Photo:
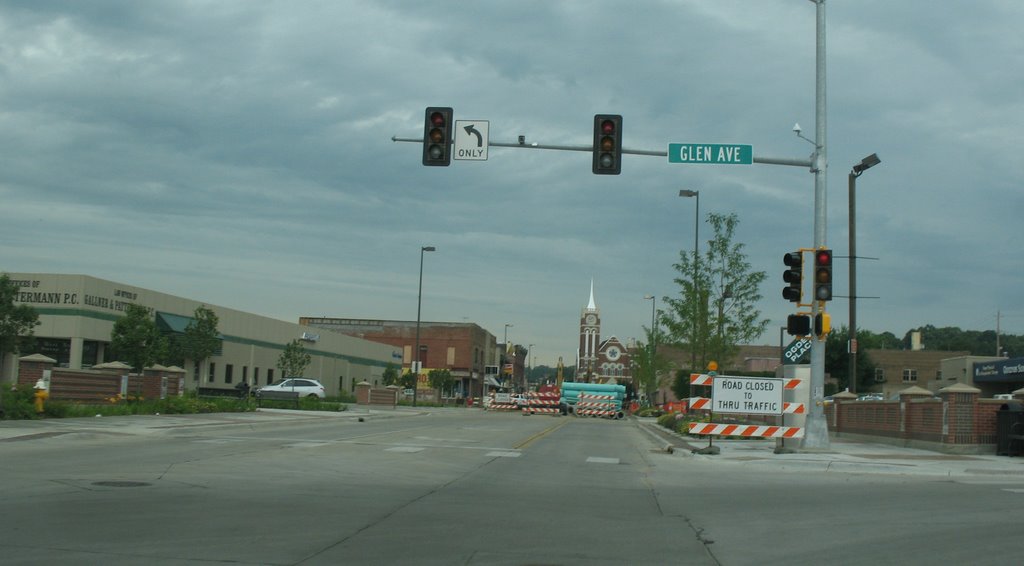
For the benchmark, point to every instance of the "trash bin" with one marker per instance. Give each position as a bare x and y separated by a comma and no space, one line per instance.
1009,414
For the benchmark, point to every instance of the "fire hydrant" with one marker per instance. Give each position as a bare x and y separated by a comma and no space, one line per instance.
41,395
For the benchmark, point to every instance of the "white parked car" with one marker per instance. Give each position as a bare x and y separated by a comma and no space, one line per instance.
301,385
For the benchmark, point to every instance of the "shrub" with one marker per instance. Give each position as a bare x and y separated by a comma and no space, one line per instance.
18,402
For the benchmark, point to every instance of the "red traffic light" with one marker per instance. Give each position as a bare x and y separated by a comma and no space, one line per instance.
437,136
823,275
607,151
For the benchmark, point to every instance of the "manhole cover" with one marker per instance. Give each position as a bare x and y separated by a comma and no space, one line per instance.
121,483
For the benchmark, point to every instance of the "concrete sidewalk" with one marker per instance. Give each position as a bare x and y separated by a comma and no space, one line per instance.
843,455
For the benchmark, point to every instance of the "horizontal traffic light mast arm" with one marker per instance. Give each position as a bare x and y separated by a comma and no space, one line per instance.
590,148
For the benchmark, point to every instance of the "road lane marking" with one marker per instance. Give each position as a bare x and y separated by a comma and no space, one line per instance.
599,460
405,449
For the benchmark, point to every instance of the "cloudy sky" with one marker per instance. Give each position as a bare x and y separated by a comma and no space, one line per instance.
239,153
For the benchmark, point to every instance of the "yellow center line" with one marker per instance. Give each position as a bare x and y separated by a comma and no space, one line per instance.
545,432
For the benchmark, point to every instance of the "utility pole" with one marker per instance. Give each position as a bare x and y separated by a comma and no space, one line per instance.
816,433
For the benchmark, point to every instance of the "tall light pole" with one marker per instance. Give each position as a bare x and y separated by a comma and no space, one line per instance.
529,365
419,304
505,344
654,336
865,164
696,257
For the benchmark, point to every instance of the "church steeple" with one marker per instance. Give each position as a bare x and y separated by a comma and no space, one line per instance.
590,338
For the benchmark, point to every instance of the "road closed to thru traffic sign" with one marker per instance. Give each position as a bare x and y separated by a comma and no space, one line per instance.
751,395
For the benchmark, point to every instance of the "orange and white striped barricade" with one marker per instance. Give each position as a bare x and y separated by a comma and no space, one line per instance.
542,403
598,405
746,430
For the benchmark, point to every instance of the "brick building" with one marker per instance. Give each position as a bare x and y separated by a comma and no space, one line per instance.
465,349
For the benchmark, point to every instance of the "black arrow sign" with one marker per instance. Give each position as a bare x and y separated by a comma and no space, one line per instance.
470,129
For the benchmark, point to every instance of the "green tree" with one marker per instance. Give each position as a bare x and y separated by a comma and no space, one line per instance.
390,376
651,368
201,339
16,321
837,359
294,360
408,380
136,339
440,379
715,309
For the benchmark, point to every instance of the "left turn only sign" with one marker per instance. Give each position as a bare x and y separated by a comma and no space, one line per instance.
471,140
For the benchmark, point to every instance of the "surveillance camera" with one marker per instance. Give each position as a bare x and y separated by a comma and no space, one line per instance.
796,128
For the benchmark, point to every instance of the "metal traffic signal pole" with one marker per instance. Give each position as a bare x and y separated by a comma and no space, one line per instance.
816,432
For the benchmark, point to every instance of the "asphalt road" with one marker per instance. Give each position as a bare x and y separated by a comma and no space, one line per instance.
459,487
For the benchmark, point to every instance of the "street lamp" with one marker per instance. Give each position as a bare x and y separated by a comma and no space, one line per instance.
529,366
419,304
505,343
654,336
696,240
865,164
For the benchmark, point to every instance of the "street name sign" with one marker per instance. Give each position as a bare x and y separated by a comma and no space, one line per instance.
795,351
750,395
718,154
471,140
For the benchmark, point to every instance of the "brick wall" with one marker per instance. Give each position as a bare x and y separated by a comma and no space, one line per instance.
97,385
957,421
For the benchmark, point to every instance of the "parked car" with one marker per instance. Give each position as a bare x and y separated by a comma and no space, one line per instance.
301,385
520,400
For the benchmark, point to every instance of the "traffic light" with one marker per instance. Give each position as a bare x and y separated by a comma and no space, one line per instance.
607,144
823,275
793,275
437,138
798,325
822,324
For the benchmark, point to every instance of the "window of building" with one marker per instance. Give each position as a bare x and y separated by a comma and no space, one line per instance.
407,354
255,376
451,356
213,372
228,370
245,374
879,375
270,376
195,371
938,374
910,376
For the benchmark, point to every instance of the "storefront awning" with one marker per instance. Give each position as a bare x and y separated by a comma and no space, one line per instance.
488,380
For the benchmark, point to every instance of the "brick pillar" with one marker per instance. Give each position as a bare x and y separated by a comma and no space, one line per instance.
363,393
394,389
31,368
961,403
839,410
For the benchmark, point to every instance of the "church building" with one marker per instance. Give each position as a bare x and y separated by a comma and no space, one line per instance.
598,361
